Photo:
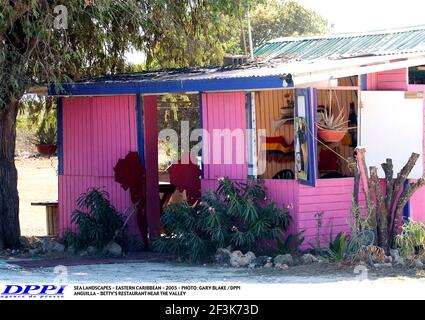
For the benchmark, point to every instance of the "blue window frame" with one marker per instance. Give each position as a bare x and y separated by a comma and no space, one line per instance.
305,133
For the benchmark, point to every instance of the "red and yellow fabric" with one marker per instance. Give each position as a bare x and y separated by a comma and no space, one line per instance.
279,145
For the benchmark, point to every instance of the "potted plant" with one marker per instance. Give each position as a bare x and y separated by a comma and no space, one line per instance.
331,128
45,139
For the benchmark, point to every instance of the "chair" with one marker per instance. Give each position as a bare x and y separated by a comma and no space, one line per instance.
186,177
284,175
328,164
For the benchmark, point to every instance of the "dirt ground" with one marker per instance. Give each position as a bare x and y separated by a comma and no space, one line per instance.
37,182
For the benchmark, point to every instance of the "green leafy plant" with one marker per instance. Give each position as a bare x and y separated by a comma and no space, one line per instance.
316,247
237,215
46,133
292,244
338,248
412,239
97,220
328,121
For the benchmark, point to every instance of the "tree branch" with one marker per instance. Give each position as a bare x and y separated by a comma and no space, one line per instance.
407,193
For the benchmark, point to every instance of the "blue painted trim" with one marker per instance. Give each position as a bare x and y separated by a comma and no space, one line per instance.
406,209
249,140
60,136
152,87
140,129
315,143
311,181
201,123
363,79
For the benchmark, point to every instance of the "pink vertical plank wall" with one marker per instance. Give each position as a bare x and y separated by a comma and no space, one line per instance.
333,197
224,111
97,132
150,114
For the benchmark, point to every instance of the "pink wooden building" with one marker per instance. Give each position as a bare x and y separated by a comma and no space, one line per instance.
376,78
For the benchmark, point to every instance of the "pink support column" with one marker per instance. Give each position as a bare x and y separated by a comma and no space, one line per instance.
150,113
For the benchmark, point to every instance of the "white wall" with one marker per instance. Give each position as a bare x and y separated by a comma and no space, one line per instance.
391,126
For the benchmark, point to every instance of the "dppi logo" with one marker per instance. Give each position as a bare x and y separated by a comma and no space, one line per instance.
33,291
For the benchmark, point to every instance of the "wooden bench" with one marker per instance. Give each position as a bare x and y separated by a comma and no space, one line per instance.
52,216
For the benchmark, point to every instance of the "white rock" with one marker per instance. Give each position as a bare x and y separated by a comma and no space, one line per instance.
52,246
222,256
395,254
399,262
114,249
419,264
309,259
284,259
282,266
238,259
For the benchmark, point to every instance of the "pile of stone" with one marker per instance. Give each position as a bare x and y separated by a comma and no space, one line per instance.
395,260
237,259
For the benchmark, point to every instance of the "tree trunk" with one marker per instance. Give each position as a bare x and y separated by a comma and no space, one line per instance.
381,213
9,199
407,193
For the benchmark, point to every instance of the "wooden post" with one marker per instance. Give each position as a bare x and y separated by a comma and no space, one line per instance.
151,162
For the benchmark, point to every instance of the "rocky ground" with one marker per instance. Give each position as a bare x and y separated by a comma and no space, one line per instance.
40,254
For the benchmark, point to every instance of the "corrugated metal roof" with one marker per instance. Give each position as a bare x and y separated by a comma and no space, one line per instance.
339,46
295,56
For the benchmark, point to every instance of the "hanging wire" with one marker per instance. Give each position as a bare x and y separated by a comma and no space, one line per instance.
348,161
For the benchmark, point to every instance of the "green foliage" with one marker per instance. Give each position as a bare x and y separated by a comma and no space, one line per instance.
34,109
195,33
46,133
317,246
338,248
276,19
412,240
181,113
237,215
292,244
32,51
97,220
360,239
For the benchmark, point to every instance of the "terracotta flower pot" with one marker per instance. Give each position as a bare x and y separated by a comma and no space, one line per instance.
331,136
46,149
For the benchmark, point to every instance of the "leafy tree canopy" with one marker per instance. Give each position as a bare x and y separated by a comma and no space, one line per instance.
277,18
98,34
183,43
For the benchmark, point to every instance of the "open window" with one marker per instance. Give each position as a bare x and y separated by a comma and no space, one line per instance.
274,119
337,122
417,75
392,126
285,126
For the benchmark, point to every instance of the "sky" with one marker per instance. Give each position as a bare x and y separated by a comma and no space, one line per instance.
366,15
357,16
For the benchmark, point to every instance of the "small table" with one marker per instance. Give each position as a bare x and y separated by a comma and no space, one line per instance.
167,189
52,216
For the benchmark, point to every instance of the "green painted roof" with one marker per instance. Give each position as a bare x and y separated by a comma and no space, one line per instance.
338,46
